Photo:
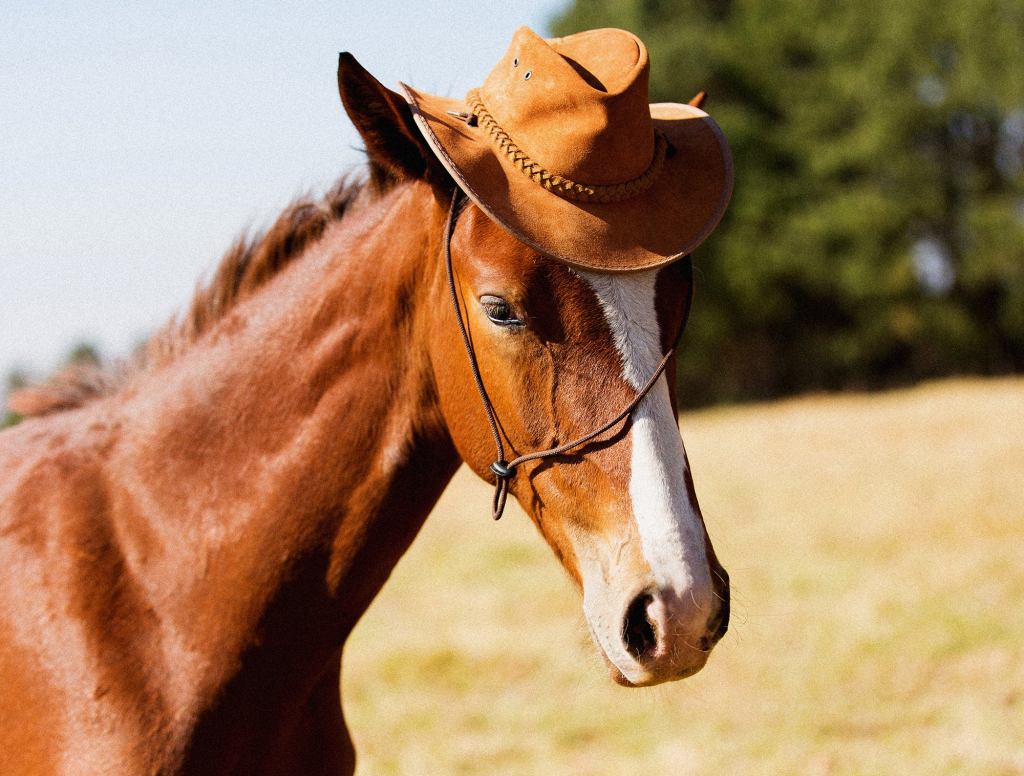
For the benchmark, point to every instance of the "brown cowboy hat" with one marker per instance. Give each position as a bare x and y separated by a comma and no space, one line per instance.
560,147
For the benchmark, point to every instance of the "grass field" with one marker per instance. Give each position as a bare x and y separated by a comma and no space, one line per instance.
876,547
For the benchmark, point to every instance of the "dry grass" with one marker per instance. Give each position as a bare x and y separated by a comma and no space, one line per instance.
876,546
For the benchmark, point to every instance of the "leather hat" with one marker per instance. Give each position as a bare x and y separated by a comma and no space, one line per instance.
560,147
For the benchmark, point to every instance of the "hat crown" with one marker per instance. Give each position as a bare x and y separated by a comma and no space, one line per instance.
578,105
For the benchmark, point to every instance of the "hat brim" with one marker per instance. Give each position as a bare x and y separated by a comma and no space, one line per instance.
658,226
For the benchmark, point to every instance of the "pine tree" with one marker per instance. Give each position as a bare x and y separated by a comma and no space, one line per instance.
876,233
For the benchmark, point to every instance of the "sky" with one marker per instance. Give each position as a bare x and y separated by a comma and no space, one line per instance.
138,139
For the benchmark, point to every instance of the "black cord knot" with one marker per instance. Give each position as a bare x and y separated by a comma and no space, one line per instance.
502,470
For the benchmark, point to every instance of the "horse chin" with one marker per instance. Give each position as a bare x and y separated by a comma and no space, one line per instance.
620,678
638,681
649,679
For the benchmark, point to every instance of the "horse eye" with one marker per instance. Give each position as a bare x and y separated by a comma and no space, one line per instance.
499,311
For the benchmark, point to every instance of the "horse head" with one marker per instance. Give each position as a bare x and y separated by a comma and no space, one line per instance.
560,350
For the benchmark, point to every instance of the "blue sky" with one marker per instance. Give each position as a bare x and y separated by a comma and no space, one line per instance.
138,139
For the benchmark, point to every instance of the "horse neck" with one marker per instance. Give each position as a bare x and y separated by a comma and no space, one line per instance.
279,468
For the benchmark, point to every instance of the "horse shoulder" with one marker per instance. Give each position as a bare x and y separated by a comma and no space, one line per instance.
72,622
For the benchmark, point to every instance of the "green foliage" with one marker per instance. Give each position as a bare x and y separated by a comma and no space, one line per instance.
83,354
876,233
15,380
80,354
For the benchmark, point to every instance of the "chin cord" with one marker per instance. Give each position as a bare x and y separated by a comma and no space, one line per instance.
504,470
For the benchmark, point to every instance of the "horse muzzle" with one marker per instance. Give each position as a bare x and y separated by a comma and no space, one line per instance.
663,634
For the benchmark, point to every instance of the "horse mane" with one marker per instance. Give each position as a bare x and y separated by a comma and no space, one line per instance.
249,264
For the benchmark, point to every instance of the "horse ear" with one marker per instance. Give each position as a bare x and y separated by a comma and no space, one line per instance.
395,147
697,101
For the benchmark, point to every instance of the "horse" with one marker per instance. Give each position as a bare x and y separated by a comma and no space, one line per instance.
188,540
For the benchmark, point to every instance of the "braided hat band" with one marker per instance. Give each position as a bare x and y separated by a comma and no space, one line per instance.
559,184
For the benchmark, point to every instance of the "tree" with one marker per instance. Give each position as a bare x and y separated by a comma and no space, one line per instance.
15,380
81,354
876,233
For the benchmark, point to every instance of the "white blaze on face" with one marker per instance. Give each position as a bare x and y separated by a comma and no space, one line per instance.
671,533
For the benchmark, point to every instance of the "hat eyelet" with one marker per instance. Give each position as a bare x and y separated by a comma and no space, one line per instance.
526,76
515,62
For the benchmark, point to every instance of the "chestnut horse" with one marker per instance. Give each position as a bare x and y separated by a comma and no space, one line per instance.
186,544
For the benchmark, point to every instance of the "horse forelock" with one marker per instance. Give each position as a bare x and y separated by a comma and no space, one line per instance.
248,265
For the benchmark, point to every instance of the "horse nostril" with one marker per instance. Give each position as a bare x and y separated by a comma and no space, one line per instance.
637,630
721,623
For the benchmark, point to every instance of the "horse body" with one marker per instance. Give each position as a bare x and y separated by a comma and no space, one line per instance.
186,553
237,508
